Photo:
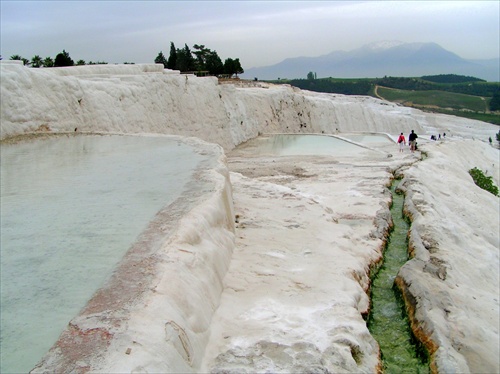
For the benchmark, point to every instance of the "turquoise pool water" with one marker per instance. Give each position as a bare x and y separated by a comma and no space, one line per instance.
300,144
367,139
70,209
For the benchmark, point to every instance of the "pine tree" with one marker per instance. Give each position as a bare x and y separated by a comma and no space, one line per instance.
63,59
160,59
185,60
214,64
172,58
233,67
201,54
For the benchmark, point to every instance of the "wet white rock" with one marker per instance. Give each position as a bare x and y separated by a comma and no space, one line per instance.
286,288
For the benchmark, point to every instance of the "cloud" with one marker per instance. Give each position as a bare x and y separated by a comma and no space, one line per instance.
260,33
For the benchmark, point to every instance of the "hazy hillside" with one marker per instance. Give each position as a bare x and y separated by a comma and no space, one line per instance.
378,60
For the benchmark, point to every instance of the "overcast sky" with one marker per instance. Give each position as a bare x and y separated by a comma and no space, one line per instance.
259,33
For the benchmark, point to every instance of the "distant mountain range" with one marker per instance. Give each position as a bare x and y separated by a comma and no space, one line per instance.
396,59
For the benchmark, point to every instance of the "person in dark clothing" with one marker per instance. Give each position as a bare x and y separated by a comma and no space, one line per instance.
412,139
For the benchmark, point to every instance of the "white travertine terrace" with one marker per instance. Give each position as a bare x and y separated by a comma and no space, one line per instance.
270,272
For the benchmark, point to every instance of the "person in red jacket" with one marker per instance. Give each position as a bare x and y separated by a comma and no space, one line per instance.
402,142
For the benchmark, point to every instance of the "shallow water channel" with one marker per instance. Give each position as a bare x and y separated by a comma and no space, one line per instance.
71,208
387,321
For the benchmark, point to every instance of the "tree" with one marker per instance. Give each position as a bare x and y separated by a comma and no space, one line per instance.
36,61
201,59
80,62
237,67
214,64
495,101
63,59
172,58
233,67
311,76
19,58
160,59
185,60
48,62
201,54
229,66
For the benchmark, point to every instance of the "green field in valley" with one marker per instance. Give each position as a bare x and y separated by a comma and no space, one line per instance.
456,104
435,99
451,94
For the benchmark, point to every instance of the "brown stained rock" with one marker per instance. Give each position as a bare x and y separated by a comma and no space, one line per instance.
76,358
418,329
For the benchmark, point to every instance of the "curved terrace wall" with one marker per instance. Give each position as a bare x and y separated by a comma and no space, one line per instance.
147,98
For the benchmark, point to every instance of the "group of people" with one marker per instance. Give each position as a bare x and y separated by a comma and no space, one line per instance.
433,137
412,141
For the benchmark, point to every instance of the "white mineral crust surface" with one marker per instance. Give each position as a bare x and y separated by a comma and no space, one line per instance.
270,272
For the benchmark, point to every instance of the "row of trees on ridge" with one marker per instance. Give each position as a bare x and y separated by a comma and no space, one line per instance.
201,61
61,59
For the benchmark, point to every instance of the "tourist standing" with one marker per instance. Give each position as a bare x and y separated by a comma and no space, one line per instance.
412,139
402,142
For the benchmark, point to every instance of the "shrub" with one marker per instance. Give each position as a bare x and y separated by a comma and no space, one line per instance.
481,180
